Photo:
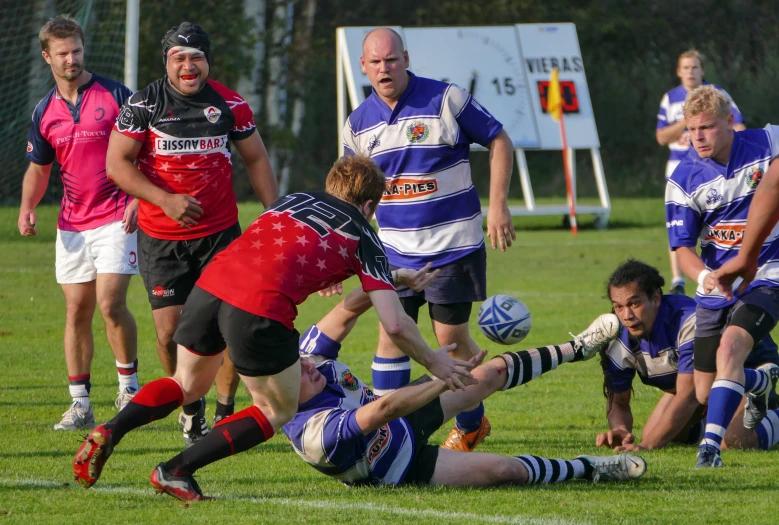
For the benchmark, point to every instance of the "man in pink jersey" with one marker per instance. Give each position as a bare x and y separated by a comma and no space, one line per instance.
179,130
96,241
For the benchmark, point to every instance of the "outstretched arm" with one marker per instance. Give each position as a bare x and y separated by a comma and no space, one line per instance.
398,403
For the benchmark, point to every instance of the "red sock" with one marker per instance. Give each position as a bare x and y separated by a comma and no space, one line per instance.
154,401
241,431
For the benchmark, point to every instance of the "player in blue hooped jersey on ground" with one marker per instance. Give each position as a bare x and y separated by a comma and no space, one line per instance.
656,343
707,201
672,130
347,432
419,131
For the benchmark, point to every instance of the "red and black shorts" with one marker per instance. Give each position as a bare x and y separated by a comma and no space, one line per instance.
258,346
170,269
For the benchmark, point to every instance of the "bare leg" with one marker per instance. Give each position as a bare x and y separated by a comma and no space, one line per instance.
195,373
476,469
79,310
121,330
165,322
227,381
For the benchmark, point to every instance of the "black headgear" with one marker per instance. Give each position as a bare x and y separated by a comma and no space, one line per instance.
189,35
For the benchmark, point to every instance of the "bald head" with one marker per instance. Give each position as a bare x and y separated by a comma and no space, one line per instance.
383,35
385,61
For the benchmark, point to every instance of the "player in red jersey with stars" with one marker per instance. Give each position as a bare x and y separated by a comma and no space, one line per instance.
179,129
247,300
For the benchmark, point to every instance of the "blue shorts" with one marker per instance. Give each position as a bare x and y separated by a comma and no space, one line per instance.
460,281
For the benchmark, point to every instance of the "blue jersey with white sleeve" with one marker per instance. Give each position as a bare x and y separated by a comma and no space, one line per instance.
708,202
325,432
430,211
668,350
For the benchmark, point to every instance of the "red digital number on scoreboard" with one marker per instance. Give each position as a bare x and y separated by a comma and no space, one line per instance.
567,91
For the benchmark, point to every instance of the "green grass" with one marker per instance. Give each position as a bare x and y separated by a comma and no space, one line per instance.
560,279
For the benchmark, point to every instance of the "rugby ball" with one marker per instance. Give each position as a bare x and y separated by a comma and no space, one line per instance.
504,319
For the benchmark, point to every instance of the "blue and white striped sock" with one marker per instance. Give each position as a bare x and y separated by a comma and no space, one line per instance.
390,373
755,382
543,470
724,399
768,430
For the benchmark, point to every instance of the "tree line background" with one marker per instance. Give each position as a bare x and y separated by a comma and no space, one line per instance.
280,54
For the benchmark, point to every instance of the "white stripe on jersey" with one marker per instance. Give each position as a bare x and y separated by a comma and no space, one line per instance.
437,239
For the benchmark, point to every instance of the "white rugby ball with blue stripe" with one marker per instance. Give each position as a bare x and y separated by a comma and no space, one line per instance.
504,319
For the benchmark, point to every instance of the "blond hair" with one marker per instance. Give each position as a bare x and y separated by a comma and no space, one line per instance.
356,180
60,27
706,99
691,53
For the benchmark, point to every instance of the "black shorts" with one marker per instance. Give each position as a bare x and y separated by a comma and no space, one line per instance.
170,269
451,294
258,346
423,422
756,312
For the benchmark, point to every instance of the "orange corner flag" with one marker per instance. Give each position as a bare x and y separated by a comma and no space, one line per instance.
554,101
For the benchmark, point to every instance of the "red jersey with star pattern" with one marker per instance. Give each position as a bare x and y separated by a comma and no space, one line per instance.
303,243
186,150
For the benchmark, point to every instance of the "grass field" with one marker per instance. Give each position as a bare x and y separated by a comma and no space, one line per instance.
560,279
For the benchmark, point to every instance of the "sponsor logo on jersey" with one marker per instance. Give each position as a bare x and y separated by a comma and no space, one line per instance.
348,381
159,291
170,118
417,132
212,114
193,145
712,196
99,114
29,147
675,222
133,259
402,189
753,177
727,234
378,444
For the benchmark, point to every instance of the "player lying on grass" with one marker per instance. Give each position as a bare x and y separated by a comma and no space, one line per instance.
656,342
344,431
246,299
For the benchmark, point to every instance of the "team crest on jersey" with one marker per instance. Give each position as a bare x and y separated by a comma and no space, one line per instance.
417,132
348,381
29,147
753,177
374,143
713,196
212,114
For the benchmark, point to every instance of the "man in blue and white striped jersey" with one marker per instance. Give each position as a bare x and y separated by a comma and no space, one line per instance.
343,430
707,200
419,132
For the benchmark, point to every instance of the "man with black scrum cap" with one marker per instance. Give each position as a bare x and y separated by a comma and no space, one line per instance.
170,149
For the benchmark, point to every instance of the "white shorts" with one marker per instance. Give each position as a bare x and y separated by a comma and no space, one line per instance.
106,249
670,167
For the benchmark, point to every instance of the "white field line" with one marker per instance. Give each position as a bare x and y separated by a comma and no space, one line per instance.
328,505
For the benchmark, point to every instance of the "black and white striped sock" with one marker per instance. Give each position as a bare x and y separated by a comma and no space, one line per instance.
543,470
526,365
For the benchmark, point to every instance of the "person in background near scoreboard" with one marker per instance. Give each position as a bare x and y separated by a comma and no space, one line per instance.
96,249
246,299
672,130
419,131
707,200
656,342
345,431
178,130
